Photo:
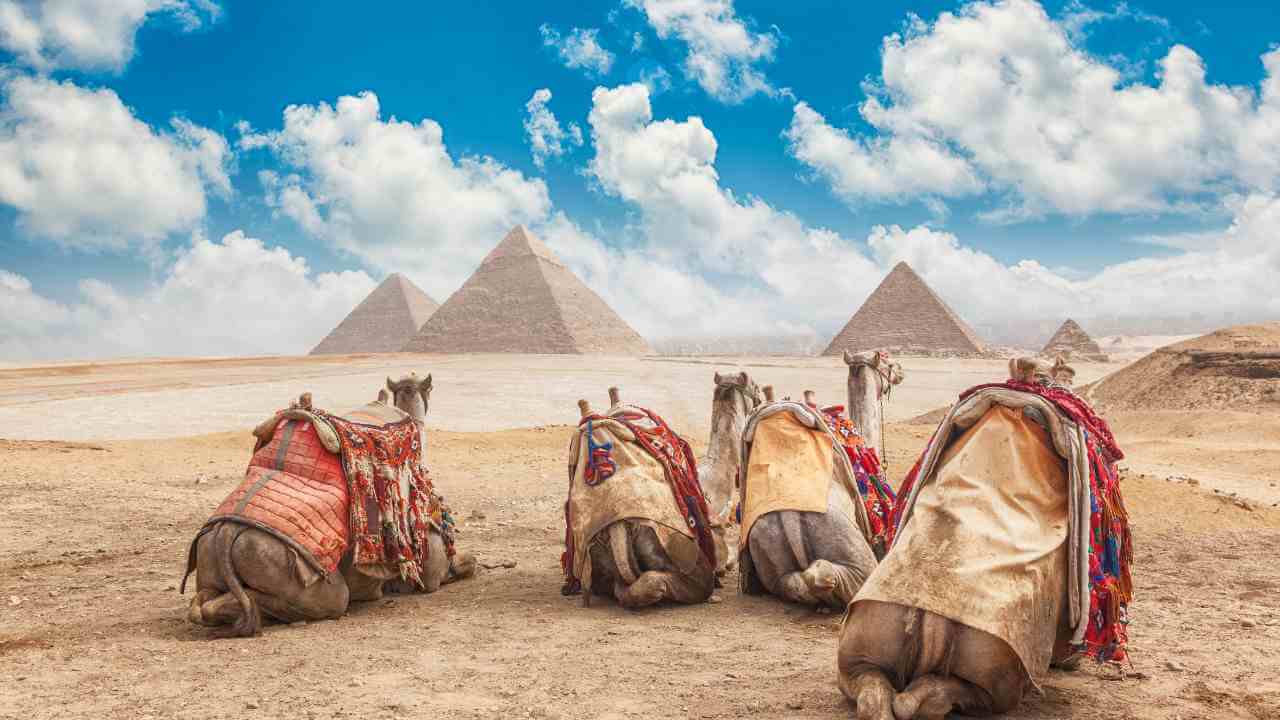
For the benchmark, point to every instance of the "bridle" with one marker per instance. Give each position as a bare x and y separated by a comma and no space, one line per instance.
750,392
883,368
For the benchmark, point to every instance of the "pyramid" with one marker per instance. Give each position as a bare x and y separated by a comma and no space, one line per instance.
905,314
1072,342
383,321
523,300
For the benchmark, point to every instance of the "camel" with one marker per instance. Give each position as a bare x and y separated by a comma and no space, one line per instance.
639,546
1014,579
816,557
243,572
735,397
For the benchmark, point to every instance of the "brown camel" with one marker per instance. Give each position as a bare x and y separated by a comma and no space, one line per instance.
243,572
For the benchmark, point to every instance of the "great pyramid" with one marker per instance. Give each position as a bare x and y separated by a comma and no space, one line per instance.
383,321
523,300
1072,342
905,314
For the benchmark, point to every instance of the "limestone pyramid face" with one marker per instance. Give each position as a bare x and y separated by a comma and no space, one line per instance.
1071,341
522,299
383,321
905,314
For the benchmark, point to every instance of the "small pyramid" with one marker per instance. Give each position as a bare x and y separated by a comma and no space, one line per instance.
905,314
1071,341
383,321
522,299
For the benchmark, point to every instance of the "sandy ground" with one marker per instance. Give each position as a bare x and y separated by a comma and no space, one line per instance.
98,519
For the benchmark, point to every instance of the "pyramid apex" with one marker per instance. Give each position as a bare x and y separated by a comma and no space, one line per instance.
520,241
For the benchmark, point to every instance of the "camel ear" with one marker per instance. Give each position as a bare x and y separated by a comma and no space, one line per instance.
848,358
742,376
718,378
426,384
391,386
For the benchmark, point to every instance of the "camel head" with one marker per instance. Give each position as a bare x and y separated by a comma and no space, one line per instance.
411,394
736,392
878,360
1062,373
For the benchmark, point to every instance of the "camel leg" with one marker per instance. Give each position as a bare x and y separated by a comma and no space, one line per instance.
931,697
870,692
653,587
831,584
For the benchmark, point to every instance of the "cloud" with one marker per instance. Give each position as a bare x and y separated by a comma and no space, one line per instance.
546,137
389,192
998,96
580,49
230,297
81,169
1227,277
722,263
1077,18
723,50
88,34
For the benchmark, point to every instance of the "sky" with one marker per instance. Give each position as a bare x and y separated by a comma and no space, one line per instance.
224,177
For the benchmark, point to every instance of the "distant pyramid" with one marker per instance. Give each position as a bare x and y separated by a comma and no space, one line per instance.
905,314
523,300
1071,341
382,322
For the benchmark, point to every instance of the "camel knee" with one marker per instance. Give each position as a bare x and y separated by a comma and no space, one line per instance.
870,692
829,583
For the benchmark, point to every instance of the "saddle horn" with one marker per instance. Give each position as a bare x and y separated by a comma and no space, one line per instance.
383,396
768,393
585,407
614,396
810,398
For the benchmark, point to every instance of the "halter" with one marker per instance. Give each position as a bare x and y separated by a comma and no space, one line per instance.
883,369
751,392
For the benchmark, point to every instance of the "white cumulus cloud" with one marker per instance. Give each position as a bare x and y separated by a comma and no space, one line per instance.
546,136
998,95
81,169
723,52
389,192
88,34
236,296
580,49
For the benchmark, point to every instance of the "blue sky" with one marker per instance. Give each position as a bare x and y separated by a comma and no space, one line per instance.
1079,172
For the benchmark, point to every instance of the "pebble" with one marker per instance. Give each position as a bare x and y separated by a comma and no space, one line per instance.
1247,624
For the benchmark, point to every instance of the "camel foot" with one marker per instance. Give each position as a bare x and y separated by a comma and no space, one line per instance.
463,565
931,697
871,694
795,588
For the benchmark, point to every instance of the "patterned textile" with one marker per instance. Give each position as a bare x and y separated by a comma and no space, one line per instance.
393,504
1110,541
294,489
600,464
876,493
675,456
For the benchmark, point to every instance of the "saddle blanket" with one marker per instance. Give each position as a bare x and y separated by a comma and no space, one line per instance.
294,489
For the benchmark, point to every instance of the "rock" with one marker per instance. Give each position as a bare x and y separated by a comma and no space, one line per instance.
1247,624
795,705
715,599
1172,666
251,705
15,601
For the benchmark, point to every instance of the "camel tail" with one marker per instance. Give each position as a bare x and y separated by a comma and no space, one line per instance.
250,621
790,521
620,546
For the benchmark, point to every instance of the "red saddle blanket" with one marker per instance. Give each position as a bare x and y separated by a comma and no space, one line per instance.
294,489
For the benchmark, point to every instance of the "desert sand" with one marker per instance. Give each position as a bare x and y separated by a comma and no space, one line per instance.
111,468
